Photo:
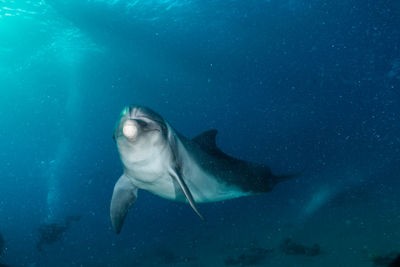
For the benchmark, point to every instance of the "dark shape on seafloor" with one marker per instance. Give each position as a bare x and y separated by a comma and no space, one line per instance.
289,247
167,256
395,262
161,256
251,256
50,233
391,259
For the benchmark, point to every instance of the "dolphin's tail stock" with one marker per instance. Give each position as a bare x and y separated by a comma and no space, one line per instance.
265,180
285,177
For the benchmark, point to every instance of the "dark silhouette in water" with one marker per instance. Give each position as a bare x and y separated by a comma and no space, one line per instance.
288,246
50,233
391,259
395,262
167,256
163,256
251,256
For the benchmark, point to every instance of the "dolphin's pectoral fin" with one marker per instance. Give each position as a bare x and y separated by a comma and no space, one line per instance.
124,195
176,173
187,192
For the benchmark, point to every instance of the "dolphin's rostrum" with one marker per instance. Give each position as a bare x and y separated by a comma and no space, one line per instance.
158,159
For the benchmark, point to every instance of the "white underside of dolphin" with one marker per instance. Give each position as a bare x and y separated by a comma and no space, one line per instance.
204,186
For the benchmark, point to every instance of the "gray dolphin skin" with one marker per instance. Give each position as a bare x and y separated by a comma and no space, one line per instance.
157,158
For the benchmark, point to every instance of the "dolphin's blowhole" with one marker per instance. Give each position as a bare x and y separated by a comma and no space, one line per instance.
130,129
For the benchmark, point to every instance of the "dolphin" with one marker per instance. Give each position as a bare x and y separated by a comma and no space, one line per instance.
157,158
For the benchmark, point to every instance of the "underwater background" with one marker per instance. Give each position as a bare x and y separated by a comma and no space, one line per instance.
305,86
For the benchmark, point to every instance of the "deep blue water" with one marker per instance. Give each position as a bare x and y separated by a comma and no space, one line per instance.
295,84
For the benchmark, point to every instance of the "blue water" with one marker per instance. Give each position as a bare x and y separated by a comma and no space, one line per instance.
295,84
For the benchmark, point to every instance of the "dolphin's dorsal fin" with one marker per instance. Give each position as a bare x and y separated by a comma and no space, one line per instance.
206,141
